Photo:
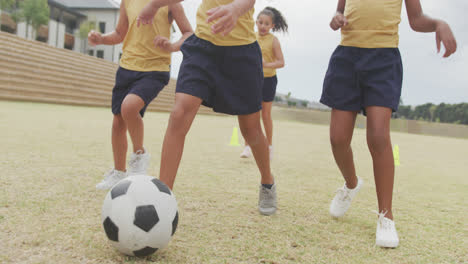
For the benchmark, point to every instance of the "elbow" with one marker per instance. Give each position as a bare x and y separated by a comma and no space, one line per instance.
413,25
281,64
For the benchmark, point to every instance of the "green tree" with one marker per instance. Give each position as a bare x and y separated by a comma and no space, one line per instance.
34,13
85,28
5,4
404,111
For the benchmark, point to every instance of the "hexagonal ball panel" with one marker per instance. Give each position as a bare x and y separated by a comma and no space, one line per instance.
146,217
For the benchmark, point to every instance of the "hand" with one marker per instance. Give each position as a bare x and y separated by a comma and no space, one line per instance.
338,21
146,15
444,34
163,43
227,16
94,38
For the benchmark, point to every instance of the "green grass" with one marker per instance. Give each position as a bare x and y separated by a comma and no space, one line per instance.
52,156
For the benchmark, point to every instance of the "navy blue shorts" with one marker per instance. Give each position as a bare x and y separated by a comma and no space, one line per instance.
269,88
359,77
146,85
228,79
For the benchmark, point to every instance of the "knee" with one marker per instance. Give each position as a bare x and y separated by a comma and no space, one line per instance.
129,110
378,140
177,120
252,135
177,115
339,141
118,123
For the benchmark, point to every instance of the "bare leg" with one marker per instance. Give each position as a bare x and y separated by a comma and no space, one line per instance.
341,133
131,106
267,121
380,146
252,132
119,142
184,111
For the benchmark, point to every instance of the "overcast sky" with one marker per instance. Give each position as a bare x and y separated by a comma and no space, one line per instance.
310,42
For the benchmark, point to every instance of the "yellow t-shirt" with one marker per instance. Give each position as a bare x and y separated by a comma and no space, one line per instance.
371,23
266,45
139,52
242,34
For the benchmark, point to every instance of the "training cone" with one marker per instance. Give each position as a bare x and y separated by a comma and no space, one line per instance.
234,138
396,155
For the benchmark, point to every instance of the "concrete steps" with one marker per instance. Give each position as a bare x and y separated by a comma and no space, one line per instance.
34,71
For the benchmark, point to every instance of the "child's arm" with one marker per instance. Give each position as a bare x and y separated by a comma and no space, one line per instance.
146,15
116,36
419,22
279,62
177,12
339,20
227,15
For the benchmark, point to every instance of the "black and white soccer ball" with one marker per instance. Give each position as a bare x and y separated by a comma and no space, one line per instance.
140,215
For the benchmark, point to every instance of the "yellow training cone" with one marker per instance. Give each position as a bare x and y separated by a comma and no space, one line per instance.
396,155
234,138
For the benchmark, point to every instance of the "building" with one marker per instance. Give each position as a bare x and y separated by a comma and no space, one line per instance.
63,29
105,14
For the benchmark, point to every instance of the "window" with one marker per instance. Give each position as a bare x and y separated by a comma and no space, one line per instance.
100,54
102,27
91,52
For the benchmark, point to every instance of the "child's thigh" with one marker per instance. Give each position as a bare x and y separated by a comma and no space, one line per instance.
341,89
381,78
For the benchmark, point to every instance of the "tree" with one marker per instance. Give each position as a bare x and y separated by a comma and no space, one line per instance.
404,111
34,13
85,28
5,4
278,99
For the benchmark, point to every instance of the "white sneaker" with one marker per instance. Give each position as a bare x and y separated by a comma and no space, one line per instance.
270,148
342,200
139,162
267,203
110,179
246,153
386,234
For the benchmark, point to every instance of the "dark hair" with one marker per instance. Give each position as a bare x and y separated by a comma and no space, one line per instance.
278,19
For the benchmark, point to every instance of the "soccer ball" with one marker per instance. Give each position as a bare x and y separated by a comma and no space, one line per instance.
139,215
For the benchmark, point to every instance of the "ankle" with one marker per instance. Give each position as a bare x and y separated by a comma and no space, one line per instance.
139,150
352,182
389,215
120,169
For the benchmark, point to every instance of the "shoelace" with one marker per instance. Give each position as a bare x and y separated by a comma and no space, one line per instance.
133,161
343,194
108,174
384,224
267,195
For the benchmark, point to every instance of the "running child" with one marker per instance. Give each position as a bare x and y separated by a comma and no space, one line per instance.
222,69
268,20
143,73
365,73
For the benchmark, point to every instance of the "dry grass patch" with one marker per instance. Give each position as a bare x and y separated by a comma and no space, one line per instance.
52,157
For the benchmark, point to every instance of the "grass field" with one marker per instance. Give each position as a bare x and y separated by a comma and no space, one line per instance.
52,156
